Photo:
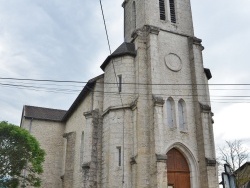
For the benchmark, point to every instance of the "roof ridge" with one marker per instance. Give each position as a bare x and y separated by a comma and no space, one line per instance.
44,108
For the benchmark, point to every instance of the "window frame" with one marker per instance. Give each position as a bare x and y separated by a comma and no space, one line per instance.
119,150
172,12
166,8
170,114
119,83
182,116
162,10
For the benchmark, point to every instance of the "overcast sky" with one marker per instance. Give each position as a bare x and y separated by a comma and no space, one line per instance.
65,40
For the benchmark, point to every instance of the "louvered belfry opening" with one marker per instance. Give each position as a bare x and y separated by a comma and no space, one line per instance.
172,11
162,9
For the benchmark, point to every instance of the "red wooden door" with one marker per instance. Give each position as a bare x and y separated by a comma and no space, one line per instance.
178,170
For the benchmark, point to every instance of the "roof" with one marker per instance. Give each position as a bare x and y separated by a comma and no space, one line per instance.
124,49
87,88
208,73
40,113
243,166
49,114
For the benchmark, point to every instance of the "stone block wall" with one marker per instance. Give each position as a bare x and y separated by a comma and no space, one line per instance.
49,134
117,148
76,123
124,66
79,124
68,177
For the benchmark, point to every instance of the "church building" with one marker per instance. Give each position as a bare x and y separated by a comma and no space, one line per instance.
146,122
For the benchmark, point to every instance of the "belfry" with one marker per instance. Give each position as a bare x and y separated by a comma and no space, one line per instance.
147,121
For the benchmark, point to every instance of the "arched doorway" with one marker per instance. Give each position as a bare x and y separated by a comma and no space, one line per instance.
177,170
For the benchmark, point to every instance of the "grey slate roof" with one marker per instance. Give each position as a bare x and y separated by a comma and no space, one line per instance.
40,113
124,49
208,73
48,114
87,88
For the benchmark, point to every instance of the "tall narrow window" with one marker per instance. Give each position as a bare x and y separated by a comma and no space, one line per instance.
82,149
119,150
170,112
120,83
182,115
162,9
134,15
172,11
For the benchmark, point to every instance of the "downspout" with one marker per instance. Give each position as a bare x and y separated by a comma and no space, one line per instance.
30,127
24,171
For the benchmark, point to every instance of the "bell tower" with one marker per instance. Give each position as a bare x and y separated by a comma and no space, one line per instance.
170,15
173,105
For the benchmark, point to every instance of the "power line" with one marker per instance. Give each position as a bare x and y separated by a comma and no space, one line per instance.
113,92
214,99
123,131
56,86
124,83
38,80
104,22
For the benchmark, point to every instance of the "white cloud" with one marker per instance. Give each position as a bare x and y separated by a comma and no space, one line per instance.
232,123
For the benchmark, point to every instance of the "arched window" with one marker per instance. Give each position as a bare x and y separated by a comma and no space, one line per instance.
170,112
134,15
182,115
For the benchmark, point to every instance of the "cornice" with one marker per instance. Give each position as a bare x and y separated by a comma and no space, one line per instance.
161,158
158,101
145,31
66,135
132,106
205,108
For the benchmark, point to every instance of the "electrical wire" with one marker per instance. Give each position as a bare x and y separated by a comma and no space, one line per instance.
114,92
39,80
117,86
104,22
132,83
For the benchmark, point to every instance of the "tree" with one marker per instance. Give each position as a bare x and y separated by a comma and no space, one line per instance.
235,155
21,157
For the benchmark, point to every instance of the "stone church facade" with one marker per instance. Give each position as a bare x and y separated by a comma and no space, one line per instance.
147,121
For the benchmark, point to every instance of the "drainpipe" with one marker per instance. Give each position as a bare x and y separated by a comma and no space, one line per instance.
24,171
30,125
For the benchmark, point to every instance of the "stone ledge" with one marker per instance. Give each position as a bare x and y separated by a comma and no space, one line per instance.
132,106
211,162
152,29
145,30
66,135
161,158
86,166
158,101
89,114
205,108
133,161
62,177
124,2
